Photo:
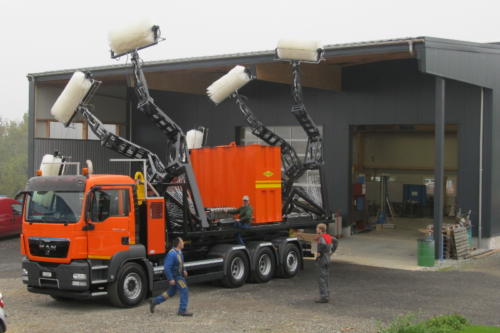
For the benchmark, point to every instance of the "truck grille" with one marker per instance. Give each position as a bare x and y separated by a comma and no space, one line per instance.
48,247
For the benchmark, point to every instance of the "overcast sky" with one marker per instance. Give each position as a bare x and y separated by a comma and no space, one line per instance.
38,36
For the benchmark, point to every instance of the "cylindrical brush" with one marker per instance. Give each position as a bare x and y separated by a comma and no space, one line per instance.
299,50
228,84
72,95
135,36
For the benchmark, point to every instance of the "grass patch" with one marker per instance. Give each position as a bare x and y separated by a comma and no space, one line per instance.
453,323
481,329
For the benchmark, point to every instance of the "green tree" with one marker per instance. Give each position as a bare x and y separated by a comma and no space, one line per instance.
13,155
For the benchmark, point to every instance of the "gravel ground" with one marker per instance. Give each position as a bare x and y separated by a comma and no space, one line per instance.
362,297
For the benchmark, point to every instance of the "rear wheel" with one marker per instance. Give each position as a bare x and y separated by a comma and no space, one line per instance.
236,271
290,260
265,265
129,289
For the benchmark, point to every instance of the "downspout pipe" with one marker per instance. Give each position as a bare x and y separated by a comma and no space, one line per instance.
480,197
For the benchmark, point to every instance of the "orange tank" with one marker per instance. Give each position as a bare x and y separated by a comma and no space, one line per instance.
226,173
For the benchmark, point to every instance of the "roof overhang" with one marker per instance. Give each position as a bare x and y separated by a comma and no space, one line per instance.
193,75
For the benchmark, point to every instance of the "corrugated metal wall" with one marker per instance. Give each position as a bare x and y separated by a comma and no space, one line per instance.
80,151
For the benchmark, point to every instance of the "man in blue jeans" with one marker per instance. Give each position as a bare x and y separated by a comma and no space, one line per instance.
245,213
176,276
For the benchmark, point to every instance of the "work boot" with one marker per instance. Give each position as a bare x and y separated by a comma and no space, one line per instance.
152,306
185,314
321,300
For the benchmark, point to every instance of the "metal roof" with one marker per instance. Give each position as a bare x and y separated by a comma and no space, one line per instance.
256,57
234,56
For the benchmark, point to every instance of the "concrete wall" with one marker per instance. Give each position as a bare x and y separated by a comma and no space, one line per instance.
392,92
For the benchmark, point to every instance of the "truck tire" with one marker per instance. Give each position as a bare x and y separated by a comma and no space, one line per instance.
130,287
290,261
265,265
236,271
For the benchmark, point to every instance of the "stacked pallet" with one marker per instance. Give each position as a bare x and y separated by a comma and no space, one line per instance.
460,246
455,242
447,232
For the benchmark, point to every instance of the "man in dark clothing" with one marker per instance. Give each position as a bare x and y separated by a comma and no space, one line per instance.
245,212
325,244
176,276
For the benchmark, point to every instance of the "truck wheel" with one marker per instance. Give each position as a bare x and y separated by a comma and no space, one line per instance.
290,260
236,270
265,265
130,286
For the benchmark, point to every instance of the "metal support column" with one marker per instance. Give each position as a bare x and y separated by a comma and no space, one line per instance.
439,110
31,128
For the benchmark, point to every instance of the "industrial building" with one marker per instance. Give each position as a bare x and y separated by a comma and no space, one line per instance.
423,113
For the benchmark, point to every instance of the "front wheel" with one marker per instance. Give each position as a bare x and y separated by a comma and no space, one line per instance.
236,271
129,289
290,261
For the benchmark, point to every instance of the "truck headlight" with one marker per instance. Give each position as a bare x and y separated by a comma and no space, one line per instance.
79,276
25,272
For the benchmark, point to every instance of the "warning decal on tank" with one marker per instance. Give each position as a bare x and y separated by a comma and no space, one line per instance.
268,173
268,183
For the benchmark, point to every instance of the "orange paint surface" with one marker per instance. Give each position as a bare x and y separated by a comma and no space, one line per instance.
156,225
226,173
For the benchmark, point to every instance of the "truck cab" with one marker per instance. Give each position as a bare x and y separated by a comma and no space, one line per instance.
72,228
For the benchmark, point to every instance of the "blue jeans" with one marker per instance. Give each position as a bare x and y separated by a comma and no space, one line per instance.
181,285
240,225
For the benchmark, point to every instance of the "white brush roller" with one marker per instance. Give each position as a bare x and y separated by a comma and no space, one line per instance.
229,83
72,95
132,37
194,139
300,50
50,165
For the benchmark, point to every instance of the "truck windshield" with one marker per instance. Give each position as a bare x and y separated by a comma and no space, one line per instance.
54,207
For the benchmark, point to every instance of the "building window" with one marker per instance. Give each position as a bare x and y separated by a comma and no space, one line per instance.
77,130
73,131
297,138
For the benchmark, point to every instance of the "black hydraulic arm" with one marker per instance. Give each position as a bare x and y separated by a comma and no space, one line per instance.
293,167
178,163
291,163
155,172
178,154
314,151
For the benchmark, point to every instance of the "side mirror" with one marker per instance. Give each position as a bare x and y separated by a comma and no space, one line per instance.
89,226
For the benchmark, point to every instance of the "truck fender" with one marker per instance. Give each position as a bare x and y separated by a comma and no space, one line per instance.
223,251
280,243
135,252
253,248
149,271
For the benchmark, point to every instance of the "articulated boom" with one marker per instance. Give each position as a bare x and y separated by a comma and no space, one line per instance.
293,167
179,169
156,172
314,152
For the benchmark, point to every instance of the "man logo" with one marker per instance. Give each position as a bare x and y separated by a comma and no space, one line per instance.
47,248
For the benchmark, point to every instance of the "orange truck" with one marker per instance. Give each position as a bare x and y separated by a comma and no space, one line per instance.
89,235
92,235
